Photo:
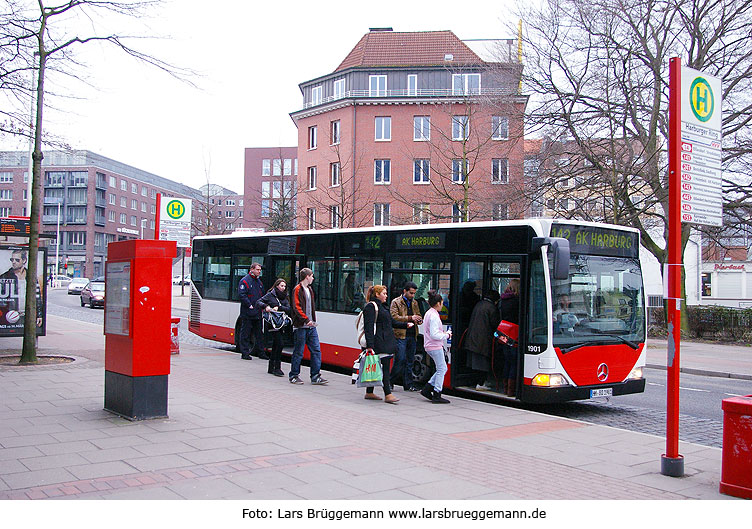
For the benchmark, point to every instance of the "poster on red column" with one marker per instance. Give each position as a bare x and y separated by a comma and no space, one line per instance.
14,281
701,189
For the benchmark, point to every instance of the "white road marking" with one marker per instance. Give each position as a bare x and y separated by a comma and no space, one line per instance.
655,384
733,395
693,389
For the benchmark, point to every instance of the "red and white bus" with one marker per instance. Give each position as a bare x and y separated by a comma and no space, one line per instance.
595,350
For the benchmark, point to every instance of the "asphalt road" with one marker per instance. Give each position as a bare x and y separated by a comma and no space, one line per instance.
701,416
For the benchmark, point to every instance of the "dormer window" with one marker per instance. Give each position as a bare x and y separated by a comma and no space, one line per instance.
466,84
316,95
377,85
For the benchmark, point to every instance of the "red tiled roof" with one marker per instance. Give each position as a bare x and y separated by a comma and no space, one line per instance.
423,48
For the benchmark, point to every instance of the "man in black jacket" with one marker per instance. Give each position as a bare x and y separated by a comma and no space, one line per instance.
250,290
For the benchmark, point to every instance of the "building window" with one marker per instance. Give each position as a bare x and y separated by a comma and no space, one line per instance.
229,213
26,195
134,189
421,171
153,209
143,207
123,202
153,194
5,211
383,128
144,191
123,185
377,85
381,214
460,128
265,208
240,203
458,175
339,88
134,221
334,132
707,284
466,84
334,217
6,194
457,213
500,212
334,171
421,214
382,171
311,218
421,128
412,85
287,166
312,137
229,202
316,95
113,181
499,171
266,167
112,199
77,238
499,128
134,203
312,177
6,177
276,167
111,216
123,218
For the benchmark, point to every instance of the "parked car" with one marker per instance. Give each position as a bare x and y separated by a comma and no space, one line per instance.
61,281
187,279
76,285
98,279
93,295
176,279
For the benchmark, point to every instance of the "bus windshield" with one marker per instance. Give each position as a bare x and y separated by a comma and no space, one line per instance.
601,303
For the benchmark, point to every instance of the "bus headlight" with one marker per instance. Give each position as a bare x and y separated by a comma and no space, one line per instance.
552,380
635,374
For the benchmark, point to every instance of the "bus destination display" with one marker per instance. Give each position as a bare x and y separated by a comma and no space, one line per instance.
595,240
421,241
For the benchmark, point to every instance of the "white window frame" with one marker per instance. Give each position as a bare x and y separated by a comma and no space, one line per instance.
377,90
312,137
335,174
5,211
286,167
311,215
458,175
6,194
276,167
412,85
134,188
112,199
382,164
421,213
134,220
266,167
457,215
383,128
111,216
77,238
335,132
499,128
421,171
312,177
335,221
123,202
339,88
123,218
496,175
460,125
134,204
144,191
461,84
113,182
497,212
421,128
316,95
123,185
381,214
6,177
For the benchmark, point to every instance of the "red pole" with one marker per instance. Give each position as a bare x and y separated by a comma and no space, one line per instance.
156,218
672,463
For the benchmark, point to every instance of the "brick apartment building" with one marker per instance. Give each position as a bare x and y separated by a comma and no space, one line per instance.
411,127
271,182
217,210
100,201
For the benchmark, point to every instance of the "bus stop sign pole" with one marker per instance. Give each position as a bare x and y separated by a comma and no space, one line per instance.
672,463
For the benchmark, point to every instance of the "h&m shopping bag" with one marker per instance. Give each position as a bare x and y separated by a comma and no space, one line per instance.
369,371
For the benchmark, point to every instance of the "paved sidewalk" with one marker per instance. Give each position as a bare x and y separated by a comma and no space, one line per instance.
705,358
236,432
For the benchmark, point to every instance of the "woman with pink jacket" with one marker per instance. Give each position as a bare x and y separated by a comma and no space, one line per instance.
433,342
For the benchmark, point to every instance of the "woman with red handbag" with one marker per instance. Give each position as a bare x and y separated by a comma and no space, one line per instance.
510,311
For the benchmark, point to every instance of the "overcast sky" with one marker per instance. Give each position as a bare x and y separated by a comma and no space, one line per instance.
251,57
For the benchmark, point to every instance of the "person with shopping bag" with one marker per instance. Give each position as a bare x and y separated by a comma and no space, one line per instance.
434,341
378,326
275,301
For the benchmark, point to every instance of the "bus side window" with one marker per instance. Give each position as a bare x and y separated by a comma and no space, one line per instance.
538,309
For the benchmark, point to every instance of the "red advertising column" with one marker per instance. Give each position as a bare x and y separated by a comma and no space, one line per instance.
137,330
672,463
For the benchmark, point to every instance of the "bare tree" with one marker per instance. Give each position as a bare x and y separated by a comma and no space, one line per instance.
37,37
278,201
598,75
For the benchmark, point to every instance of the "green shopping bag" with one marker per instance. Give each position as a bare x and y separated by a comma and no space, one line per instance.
369,372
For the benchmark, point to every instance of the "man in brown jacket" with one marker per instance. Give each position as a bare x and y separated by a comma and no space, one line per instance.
404,308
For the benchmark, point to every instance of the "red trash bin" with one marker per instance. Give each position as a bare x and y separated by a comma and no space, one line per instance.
174,341
736,462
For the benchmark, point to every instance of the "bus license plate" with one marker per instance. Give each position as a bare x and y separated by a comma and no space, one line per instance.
603,392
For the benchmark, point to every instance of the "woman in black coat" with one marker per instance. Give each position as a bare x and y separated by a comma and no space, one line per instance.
510,311
276,300
380,337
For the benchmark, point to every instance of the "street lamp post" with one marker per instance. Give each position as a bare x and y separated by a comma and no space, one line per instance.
57,245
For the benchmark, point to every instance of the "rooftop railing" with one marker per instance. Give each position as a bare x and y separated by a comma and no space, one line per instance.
407,93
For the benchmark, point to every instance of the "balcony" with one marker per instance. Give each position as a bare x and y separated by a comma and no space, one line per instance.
101,183
99,220
407,94
70,219
51,219
54,183
101,202
53,200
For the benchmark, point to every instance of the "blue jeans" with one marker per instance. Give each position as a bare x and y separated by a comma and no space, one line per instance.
302,337
403,361
437,380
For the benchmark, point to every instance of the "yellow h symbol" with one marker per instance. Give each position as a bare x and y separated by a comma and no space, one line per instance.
175,209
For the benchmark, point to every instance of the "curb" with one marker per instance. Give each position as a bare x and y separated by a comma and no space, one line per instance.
704,372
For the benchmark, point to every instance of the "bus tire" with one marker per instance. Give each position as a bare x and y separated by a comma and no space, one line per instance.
422,368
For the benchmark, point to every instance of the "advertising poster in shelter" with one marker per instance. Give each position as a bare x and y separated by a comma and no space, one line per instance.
13,284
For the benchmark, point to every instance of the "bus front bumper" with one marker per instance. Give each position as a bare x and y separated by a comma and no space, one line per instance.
547,395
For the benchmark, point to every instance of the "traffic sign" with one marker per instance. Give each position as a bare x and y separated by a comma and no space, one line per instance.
701,189
175,220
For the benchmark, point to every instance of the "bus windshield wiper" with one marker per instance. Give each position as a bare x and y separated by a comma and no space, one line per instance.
600,342
624,340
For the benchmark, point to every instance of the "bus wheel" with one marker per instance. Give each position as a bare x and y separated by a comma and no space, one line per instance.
422,368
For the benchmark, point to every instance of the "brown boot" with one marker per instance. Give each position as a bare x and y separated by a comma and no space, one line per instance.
510,387
391,399
372,396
